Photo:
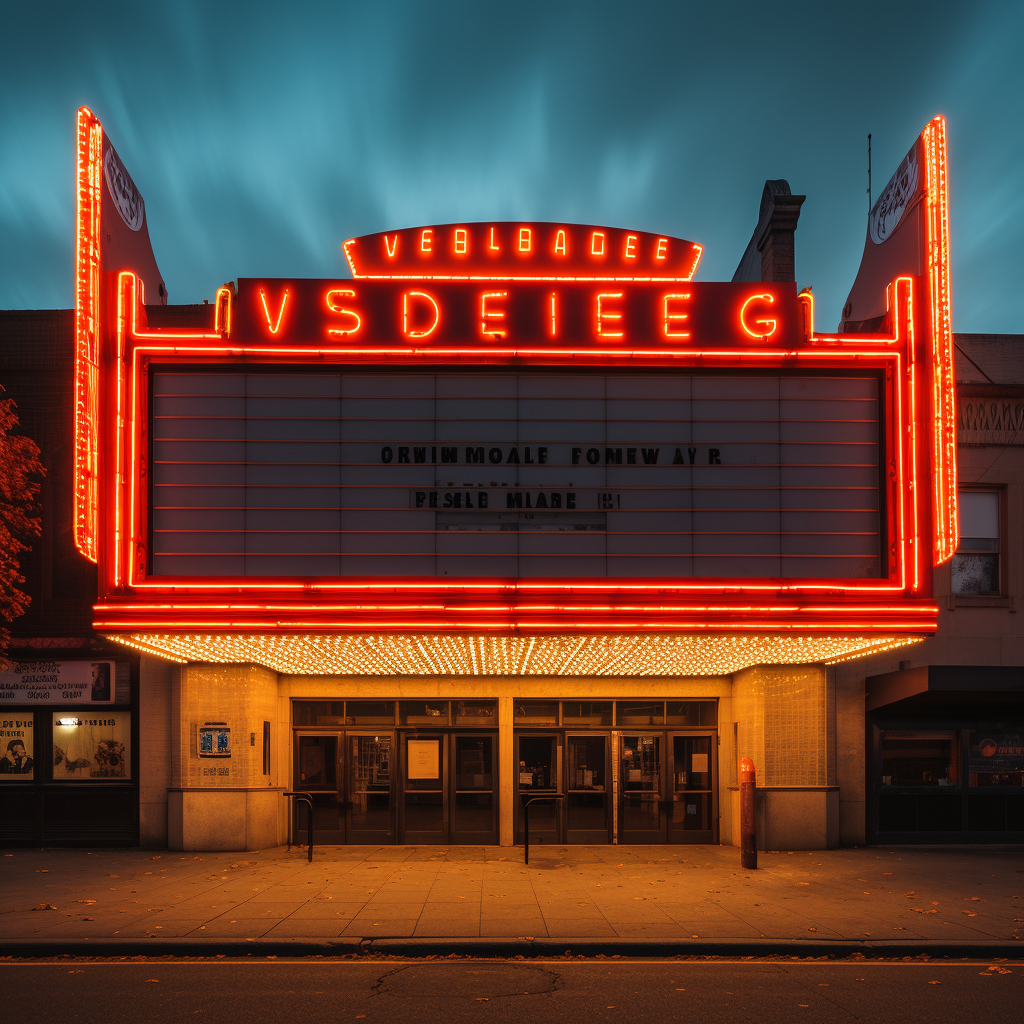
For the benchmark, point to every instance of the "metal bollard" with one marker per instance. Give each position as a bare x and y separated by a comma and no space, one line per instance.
748,821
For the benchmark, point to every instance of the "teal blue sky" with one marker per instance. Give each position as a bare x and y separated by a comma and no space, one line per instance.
264,134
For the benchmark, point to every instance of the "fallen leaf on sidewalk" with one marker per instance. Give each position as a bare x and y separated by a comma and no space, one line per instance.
90,902
45,906
88,918
934,982
152,981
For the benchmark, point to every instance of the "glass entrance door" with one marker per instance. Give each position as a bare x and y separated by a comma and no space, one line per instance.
586,784
475,818
424,797
694,818
317,773
370,784
538,774
642,817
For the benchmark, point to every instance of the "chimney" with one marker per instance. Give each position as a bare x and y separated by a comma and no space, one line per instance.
770,253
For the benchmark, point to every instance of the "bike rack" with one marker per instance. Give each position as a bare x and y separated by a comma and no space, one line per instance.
309,820
526,812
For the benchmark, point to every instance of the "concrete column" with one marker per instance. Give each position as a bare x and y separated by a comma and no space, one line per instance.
507,769
154,750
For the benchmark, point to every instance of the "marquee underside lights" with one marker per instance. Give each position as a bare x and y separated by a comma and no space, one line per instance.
439,654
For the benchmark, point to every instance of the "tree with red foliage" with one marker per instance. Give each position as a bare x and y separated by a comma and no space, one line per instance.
20,470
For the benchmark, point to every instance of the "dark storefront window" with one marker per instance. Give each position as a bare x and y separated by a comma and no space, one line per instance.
920,759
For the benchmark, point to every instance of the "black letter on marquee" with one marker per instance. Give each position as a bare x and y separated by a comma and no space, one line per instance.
542,456
421,498
419,454
494,455
692,452
570,499
403,454
576,456
475,454
679,460
513,456
386,455
513,500
449,454
713,457
650,456
481,500
593,456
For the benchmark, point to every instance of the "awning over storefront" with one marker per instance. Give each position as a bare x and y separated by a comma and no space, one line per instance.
941,686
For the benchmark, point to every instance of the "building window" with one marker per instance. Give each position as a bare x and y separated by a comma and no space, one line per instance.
976,562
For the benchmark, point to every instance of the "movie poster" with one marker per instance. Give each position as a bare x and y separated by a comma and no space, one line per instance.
92,745
16,748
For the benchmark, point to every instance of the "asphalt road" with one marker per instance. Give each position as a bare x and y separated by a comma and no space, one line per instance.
396,991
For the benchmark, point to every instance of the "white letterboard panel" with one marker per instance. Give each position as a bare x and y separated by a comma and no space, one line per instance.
515,474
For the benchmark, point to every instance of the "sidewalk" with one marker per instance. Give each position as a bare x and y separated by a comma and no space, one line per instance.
469,899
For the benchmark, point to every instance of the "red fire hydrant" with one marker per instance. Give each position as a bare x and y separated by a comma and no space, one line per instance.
748,822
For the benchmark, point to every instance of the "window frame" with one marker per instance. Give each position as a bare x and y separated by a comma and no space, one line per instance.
999,490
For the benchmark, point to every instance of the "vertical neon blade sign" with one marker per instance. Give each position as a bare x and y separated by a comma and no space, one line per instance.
88,179
943,369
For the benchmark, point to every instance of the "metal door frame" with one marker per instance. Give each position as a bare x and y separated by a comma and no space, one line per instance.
454,735
298,734
423,733
606,735
346,795
558,736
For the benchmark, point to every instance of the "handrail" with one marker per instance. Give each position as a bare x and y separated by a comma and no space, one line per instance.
309,820
526,812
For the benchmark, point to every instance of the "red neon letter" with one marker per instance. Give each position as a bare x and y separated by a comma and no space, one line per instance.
461,241
603,315
554,318
413,332
661,252
492,246
426,239
630,253
769,326
525,239
673,318
391,247
594,250
274,326
486,330
560,243
356,322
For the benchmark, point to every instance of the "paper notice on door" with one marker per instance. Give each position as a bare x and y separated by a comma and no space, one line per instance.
526,778
634,774
698,762
424,759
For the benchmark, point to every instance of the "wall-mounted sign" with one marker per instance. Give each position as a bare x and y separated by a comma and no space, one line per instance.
16,748
91,745
214,740
59,682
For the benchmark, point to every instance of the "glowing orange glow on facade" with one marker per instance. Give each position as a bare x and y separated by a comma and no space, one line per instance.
698,251
489,329
673,317
419,332
427,240
944,469
630,252
89,177
492,245
662,250
461,241
525,239
769,326
391,247
274,325
355,321
554,316
560,249
597,243
604,315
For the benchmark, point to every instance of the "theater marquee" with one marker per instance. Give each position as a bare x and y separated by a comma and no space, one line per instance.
520,427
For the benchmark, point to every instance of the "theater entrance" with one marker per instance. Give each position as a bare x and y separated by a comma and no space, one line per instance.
603,774
403,784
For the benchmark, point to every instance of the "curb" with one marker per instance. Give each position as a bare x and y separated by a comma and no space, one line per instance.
508,948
